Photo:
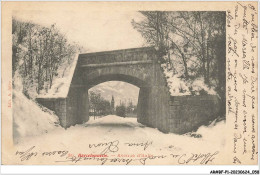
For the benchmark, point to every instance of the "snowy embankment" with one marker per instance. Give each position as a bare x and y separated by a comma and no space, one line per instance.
61,83
179,87
30,119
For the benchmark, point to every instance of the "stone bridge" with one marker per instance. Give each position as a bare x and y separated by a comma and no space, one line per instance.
140,67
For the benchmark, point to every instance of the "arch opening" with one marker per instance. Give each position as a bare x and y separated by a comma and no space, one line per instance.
113,98
142,99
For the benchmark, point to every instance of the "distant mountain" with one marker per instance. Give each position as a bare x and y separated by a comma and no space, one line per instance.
120,90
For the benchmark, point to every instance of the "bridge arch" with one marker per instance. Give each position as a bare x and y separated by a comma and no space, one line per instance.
140,67
95,80
78,95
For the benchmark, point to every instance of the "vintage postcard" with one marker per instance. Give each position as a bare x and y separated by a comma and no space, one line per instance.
130,83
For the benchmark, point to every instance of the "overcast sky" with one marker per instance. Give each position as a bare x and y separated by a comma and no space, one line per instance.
95,31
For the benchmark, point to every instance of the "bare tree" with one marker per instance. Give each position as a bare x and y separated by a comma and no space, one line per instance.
192,40
40,51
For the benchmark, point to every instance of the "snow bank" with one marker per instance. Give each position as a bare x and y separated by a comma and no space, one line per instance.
216,129
29,118
198,85
179,87
111,128
176,86
61,84
113,119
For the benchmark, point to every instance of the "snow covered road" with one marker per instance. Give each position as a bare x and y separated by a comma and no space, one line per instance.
123,138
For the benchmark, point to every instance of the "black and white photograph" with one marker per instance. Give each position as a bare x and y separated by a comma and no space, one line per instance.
111,84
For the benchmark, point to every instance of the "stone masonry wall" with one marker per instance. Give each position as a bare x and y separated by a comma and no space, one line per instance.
56,105
188,113
77,106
